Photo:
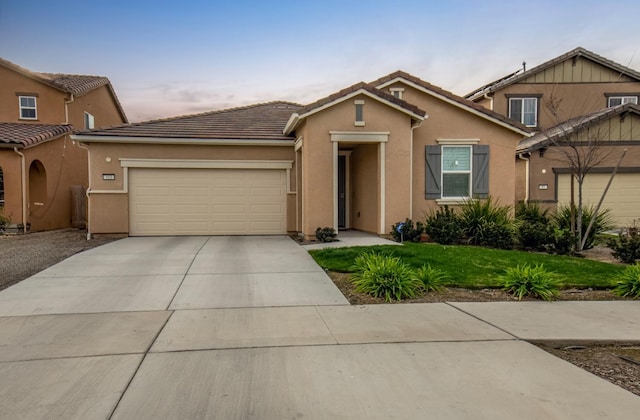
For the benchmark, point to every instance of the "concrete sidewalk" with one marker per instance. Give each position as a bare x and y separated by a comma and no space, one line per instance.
238,328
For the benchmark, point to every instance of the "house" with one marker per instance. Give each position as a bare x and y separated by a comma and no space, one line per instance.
40,165
577,95
362,158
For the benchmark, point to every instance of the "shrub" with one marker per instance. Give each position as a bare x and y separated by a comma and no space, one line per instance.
603,222
533,281
626,247
432,278
443,226
4,221
385,277
533,229
487,223
326,234
562,241
405,231
628,284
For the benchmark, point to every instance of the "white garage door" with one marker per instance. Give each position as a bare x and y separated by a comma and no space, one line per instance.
206,202
623,197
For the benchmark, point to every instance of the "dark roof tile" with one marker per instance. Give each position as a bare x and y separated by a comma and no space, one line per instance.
24,134
253,122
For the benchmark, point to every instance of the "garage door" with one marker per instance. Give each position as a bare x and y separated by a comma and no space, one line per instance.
206,202
623,197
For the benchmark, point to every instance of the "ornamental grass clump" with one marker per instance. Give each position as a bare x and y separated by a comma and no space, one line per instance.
525,280
432,278
628,283
385,277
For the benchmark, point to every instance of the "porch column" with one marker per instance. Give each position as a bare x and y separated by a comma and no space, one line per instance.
335,185
382,155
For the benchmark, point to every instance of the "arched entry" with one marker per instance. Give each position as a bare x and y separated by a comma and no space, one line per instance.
37,185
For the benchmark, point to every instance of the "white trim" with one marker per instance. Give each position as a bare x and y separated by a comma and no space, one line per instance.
359,102
335,186
461,142
34,108
295,118
89,120
451,201
289,186
87,138
400,92
205,164
358,123
456,104
466,171
383,187
360,136
298,144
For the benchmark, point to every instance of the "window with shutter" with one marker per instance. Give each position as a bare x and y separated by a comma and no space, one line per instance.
457,172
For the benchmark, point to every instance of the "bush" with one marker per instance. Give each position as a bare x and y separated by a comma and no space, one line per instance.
443,226
533,281
407,231
533,229
562,241
487,223
432,279
603,222
4,221
628,284
326,234
626,247
385,277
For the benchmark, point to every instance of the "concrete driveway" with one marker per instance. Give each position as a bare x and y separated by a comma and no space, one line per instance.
251,327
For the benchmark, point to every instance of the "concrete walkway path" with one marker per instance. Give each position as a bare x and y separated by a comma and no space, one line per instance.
236,328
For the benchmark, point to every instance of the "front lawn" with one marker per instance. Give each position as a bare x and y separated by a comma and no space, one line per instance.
477,267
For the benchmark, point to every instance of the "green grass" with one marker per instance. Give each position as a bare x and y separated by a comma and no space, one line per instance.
477,267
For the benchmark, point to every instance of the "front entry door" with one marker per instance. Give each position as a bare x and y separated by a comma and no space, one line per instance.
342,190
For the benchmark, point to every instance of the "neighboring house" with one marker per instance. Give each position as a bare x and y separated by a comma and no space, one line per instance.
562,96
363,158
39,163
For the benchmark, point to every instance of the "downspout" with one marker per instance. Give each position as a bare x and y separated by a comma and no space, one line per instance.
413,127
85,147
526,176
66,109
490,98
23,177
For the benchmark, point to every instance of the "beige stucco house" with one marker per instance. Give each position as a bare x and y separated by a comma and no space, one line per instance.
363,158
566,97
39,163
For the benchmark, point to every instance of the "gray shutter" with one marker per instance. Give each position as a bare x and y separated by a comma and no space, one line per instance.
433,171
480,171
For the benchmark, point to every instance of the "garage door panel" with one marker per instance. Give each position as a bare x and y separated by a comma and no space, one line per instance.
206,201
623,197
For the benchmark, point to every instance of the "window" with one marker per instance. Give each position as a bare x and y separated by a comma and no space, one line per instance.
457,171
619,100
1,188
524,110
359,113
397,92
27,107
88,121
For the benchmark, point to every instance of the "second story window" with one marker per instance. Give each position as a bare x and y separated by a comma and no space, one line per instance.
397,92
622,99
88,121
524,110
28,108
359,113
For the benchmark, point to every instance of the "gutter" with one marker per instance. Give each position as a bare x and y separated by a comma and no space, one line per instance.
23,178
66,109
490,98
87,138
527,176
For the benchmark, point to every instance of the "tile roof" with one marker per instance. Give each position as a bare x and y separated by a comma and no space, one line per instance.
24,134
451,96
577,52
76,84
367,87
566,128
253,122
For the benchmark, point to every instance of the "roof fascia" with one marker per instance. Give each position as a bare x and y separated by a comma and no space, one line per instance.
348,96
180,140
455,103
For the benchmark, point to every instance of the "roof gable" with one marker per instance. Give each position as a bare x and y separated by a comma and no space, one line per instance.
574,125
25,134
576,66
451,98
253,122
350,92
